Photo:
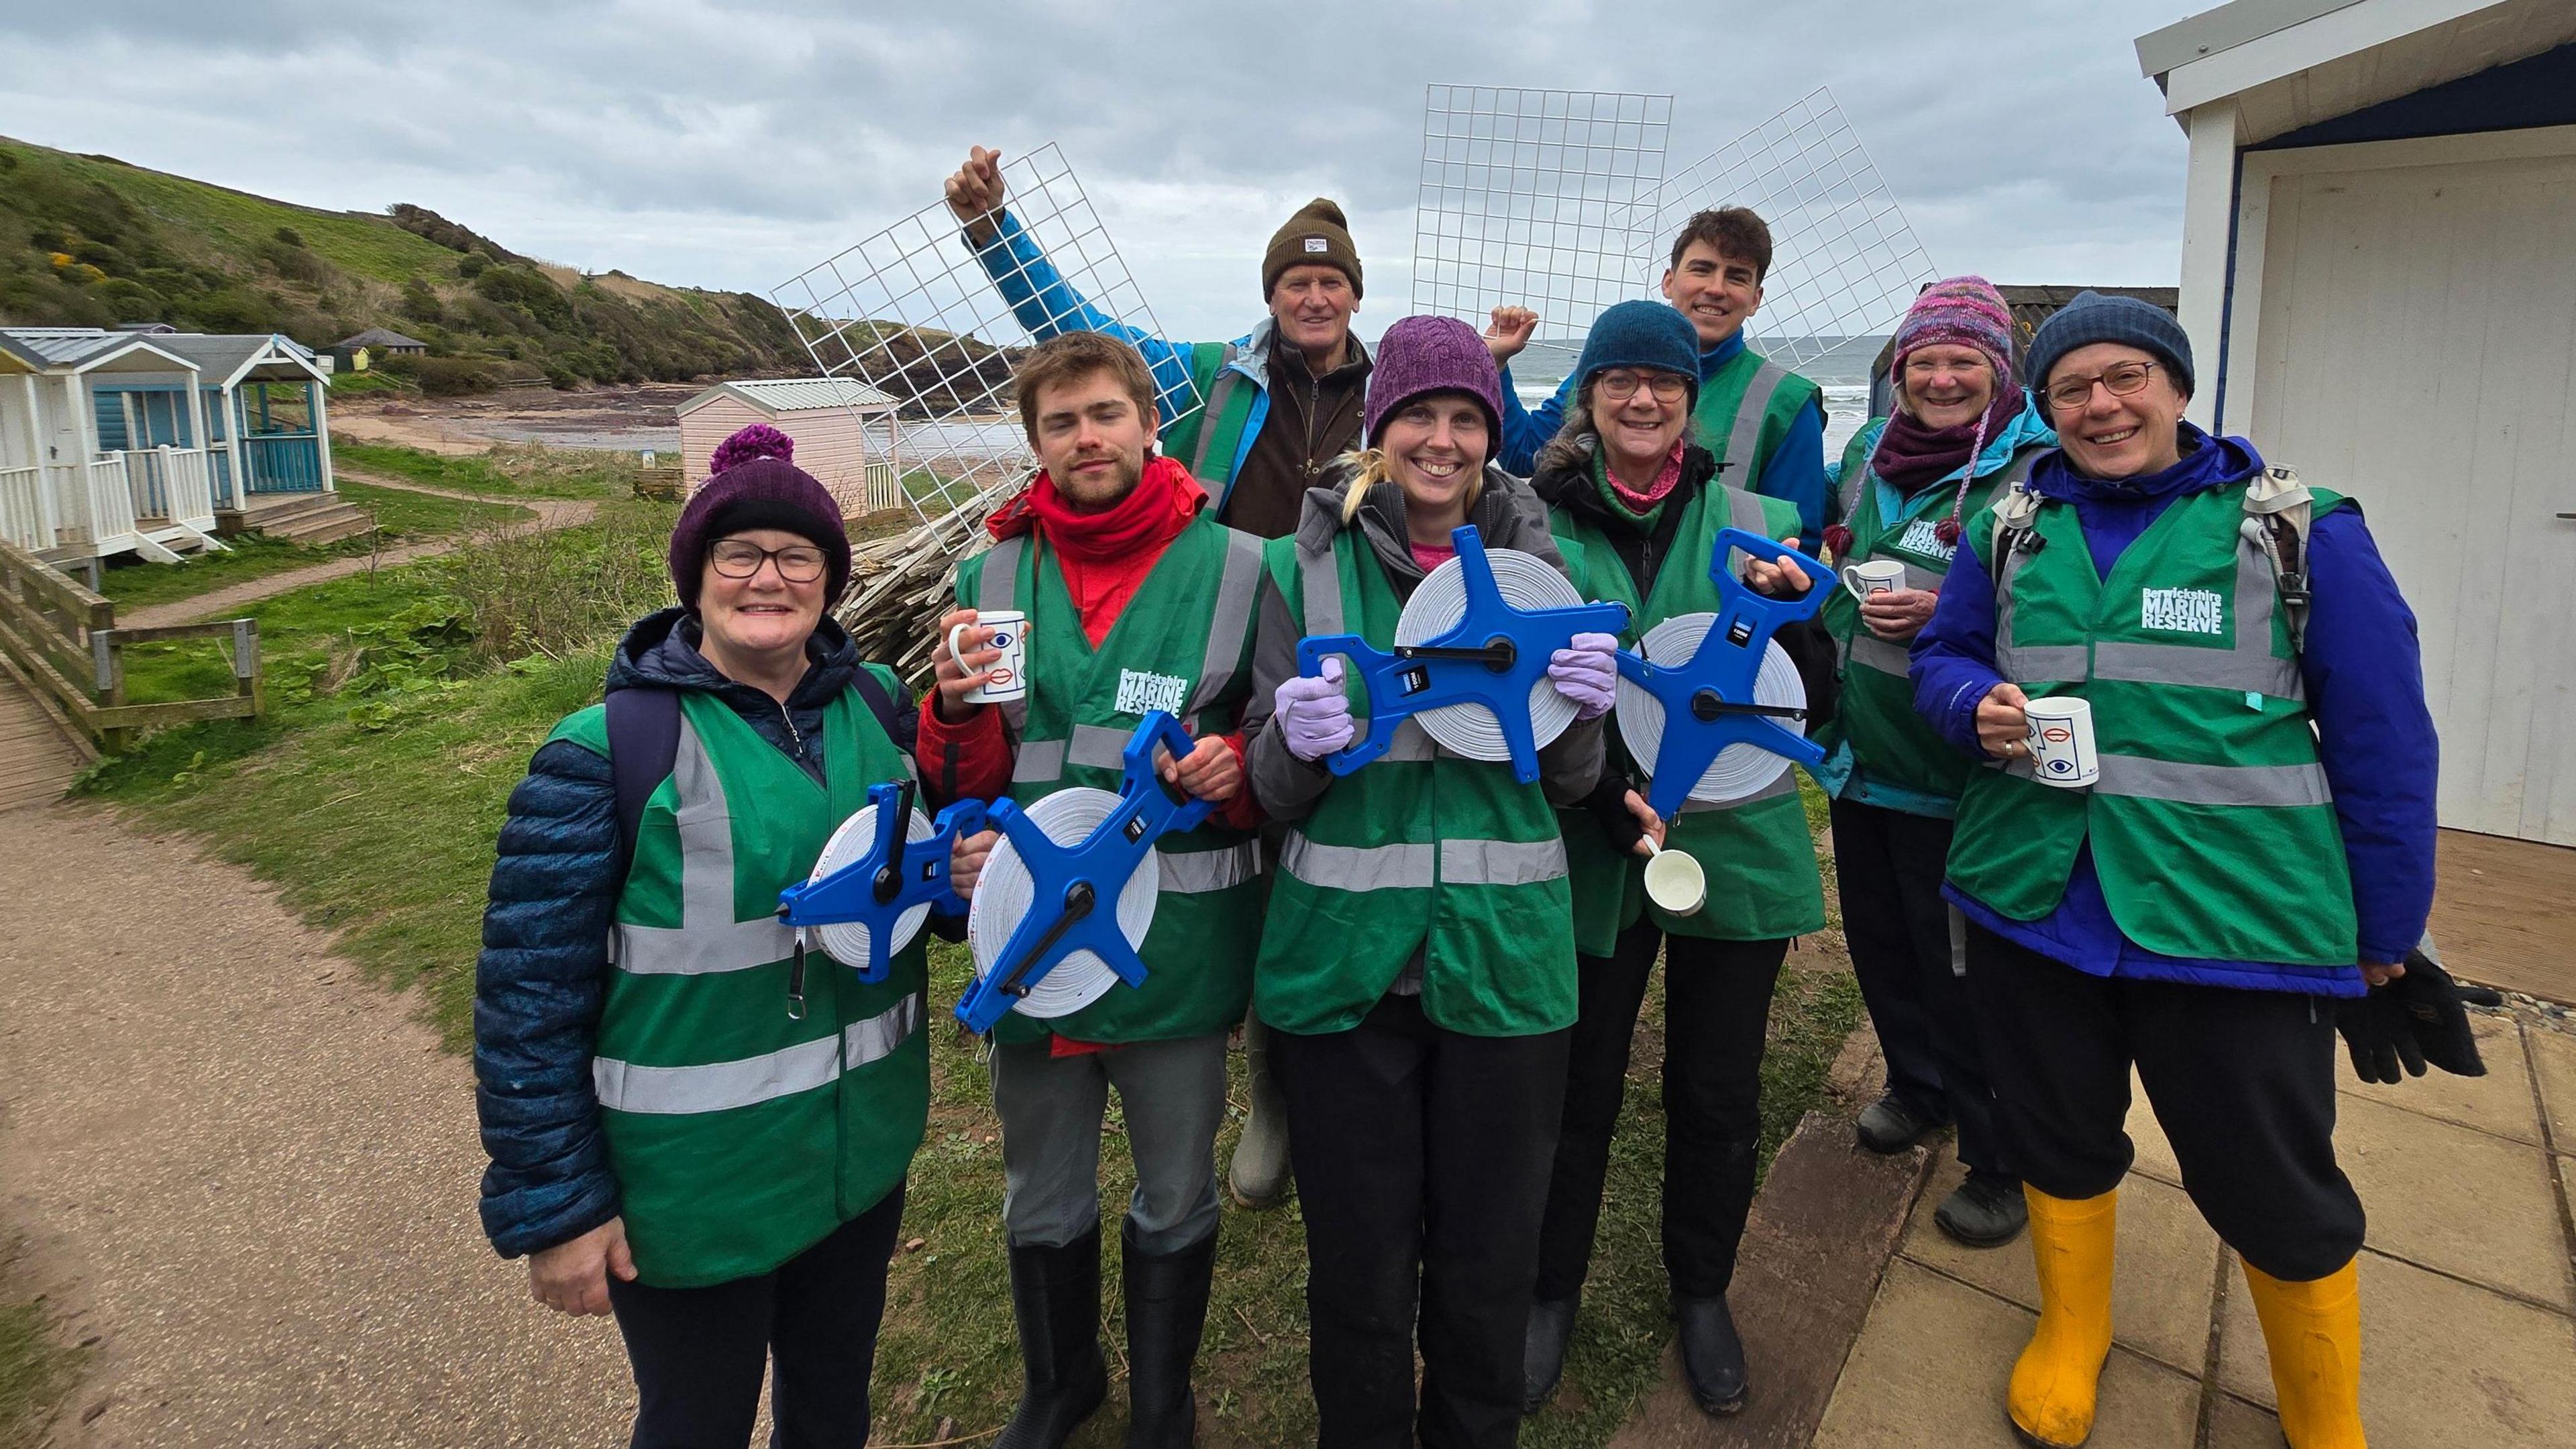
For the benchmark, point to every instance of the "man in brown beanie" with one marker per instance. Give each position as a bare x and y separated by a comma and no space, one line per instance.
1257,421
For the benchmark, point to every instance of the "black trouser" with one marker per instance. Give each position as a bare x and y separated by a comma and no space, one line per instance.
1717,1008
1890,865
1421,1158
698,1352
2241,1081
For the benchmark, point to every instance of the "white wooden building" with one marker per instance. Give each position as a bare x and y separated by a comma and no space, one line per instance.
844,432
2379,280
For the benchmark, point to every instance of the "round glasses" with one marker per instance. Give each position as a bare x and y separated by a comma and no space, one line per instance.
734,558
2120,380
1621,386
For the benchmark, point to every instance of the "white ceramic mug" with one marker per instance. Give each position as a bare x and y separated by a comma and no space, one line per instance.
1009,675
1674,881
1873,576
2061,742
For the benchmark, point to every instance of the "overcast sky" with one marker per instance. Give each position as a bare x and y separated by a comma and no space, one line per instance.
735,145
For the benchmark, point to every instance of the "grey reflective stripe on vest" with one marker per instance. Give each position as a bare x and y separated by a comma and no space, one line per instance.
708,938
1043,761
1871,652
1197,872
1745,437
2139,778
721,1086
2249,665
1219,394
1359,867
1502,862
1237,590
1784,783
1001,590
1319,586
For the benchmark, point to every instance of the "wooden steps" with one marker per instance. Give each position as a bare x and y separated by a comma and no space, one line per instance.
310,518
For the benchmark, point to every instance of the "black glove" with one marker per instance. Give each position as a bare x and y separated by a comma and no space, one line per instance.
2420,1017
1608,803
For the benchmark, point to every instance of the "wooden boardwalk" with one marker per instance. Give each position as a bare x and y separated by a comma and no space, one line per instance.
37,759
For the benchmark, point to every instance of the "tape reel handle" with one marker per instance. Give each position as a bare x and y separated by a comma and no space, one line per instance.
1739,599
1366,663
1161,730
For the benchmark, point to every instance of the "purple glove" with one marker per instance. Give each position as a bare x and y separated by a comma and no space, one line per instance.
1313,715
1587,672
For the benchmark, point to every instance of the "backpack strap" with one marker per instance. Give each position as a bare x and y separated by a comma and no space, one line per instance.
2016,522
903,726
2278,511
643,745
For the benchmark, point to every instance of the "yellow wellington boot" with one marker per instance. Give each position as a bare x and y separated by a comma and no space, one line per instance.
2055,1381
2313,1331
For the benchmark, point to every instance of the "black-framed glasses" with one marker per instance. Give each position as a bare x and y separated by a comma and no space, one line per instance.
2120,379
737,558
1621,386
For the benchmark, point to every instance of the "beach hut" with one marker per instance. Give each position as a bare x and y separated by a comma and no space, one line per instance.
844,432
2378,226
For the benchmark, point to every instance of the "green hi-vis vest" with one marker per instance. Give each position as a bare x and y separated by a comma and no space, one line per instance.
2211,826
1744,410
740,1137
1420,851
1208,437
1760,861
1876,717
1183,644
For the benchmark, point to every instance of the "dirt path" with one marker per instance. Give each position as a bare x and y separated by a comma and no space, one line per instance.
251,1175
552,513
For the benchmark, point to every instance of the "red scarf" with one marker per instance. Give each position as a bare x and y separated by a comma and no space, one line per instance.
1106,554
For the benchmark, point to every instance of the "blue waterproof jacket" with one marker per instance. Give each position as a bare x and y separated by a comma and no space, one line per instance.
544,967
2365,686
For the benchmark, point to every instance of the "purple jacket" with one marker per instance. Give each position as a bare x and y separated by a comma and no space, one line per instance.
2365,686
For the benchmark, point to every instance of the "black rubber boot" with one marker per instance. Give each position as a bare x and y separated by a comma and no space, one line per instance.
1167,1299
1055,1296
1712,1356
1551,1326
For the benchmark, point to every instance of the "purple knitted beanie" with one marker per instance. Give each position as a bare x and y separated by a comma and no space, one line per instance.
756,487
1422,355
1963,312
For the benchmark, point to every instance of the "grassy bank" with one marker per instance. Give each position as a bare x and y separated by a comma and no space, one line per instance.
402,517
507,470
37,1367
371,798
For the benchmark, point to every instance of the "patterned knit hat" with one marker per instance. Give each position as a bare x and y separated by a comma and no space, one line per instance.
755,486
1318,234
1962,312
1422,355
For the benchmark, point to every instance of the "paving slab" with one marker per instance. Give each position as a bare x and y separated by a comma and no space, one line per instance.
2443,1362
2554,1053
2454,1199
1932,1366
2236,1424
2167,1260
2155,1154
2499,1102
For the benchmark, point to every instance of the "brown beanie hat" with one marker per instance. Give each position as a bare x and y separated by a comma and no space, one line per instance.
1317,234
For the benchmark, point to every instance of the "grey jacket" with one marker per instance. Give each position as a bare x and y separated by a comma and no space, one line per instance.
1507,515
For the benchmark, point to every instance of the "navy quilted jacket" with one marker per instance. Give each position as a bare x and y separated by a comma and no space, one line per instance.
544,967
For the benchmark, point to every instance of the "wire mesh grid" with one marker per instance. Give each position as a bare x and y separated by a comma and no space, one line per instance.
935,322
1535,198
1845,264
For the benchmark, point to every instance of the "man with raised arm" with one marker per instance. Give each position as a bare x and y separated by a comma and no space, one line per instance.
1256,421
1765,424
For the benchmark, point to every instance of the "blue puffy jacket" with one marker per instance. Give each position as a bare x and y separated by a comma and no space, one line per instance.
544,967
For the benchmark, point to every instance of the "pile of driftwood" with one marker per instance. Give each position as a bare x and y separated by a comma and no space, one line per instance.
900,585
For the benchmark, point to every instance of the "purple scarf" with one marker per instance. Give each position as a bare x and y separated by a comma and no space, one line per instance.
1911,457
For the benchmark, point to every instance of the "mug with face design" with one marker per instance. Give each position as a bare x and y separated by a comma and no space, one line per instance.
1009,675
1873,576
2061,742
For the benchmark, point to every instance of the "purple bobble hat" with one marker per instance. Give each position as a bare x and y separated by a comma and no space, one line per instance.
1423,355
754,484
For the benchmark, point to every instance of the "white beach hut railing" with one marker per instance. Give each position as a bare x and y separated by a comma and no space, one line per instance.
25,517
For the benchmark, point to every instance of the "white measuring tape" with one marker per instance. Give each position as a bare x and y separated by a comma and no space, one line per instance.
847,941
1740,769
1005,892
1525,582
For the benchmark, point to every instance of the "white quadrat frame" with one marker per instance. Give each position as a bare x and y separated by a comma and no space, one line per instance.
1535,198
914,313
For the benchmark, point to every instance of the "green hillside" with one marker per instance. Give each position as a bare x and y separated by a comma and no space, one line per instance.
92,241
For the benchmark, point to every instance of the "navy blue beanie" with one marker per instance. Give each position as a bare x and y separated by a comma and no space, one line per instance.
2092,318
1641,334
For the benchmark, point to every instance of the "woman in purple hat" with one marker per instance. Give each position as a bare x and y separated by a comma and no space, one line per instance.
691,1125
1417,967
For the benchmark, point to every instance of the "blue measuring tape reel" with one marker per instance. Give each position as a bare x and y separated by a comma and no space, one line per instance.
1492,658
868,896
1706,683
1056,921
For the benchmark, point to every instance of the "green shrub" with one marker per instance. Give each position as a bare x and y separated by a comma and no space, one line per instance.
471,265
451,376
420,301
